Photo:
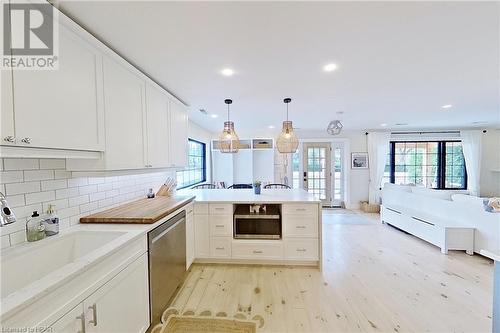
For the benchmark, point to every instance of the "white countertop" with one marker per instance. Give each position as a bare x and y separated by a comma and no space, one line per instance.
248,196
32,292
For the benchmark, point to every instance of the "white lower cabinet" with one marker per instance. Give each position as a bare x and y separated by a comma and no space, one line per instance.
300,226
220,247
71,322
221,225
248,249
201,236
190,245
301,249
213,236
121,305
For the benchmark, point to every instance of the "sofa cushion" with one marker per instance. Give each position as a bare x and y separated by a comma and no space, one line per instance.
465,199
404,188
439,194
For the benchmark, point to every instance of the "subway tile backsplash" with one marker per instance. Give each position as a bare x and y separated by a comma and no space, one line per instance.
32,184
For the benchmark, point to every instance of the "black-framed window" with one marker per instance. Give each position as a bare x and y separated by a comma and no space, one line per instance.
433,164
196,171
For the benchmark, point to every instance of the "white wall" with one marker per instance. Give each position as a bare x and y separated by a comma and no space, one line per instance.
196,132
490,180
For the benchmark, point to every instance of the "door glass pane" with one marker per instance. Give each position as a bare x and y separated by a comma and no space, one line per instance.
337,173
316,171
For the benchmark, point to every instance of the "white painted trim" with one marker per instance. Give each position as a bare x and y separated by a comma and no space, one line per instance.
31,152
346,166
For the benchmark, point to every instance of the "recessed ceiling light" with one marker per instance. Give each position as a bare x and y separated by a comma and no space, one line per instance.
213,116
401,124
383,124
446,106
330,67
271,126
227,72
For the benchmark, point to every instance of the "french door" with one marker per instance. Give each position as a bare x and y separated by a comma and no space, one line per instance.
317,170
337,175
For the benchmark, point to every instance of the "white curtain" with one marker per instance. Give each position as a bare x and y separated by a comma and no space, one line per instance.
471,145
378,148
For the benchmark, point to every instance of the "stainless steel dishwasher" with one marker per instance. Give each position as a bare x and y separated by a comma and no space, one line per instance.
167,263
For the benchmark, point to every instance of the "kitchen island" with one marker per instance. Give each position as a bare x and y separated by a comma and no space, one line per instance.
286,230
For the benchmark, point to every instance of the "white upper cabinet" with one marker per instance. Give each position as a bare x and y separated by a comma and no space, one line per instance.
157,127
61,108
7,107
178,134
124,106
95,109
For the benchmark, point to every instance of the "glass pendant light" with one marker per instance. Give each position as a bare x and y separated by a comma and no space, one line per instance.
287,141
228,139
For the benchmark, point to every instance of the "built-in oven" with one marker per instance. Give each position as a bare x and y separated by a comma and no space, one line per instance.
256,221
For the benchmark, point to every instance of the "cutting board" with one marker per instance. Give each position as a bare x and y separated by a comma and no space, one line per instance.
143,211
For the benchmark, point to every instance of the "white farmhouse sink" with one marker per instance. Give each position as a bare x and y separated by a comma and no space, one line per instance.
30,262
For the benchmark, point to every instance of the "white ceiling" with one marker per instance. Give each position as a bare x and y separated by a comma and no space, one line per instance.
398,62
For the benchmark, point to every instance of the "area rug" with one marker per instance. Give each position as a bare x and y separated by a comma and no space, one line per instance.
192,324
172,321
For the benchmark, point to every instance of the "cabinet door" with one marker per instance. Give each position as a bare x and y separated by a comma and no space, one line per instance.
124,104
157,134
189,239
62,108
178,134
71,322
7,110
201,236
122,304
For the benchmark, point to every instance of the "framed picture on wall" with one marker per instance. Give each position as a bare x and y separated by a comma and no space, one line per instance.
359,160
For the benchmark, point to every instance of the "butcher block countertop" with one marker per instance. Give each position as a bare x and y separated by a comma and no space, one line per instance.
143,211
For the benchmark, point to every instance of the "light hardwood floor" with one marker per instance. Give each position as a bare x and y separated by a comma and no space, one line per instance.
374,279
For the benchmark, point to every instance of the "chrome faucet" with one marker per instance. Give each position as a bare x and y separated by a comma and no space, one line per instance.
6,214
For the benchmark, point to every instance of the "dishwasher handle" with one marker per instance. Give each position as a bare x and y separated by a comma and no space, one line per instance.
160,231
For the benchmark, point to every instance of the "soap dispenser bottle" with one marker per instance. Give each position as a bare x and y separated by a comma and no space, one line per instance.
35,230
51,222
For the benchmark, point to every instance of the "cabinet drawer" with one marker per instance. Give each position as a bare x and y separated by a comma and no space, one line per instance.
221,209
301,249
300,209
257,249
425,230
221,225
300,226
220,247
200,208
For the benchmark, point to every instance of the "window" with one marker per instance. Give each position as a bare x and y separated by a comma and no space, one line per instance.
296,170
433,164
195,172
337,173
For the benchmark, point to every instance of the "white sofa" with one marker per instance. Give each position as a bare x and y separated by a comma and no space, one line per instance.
449,219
